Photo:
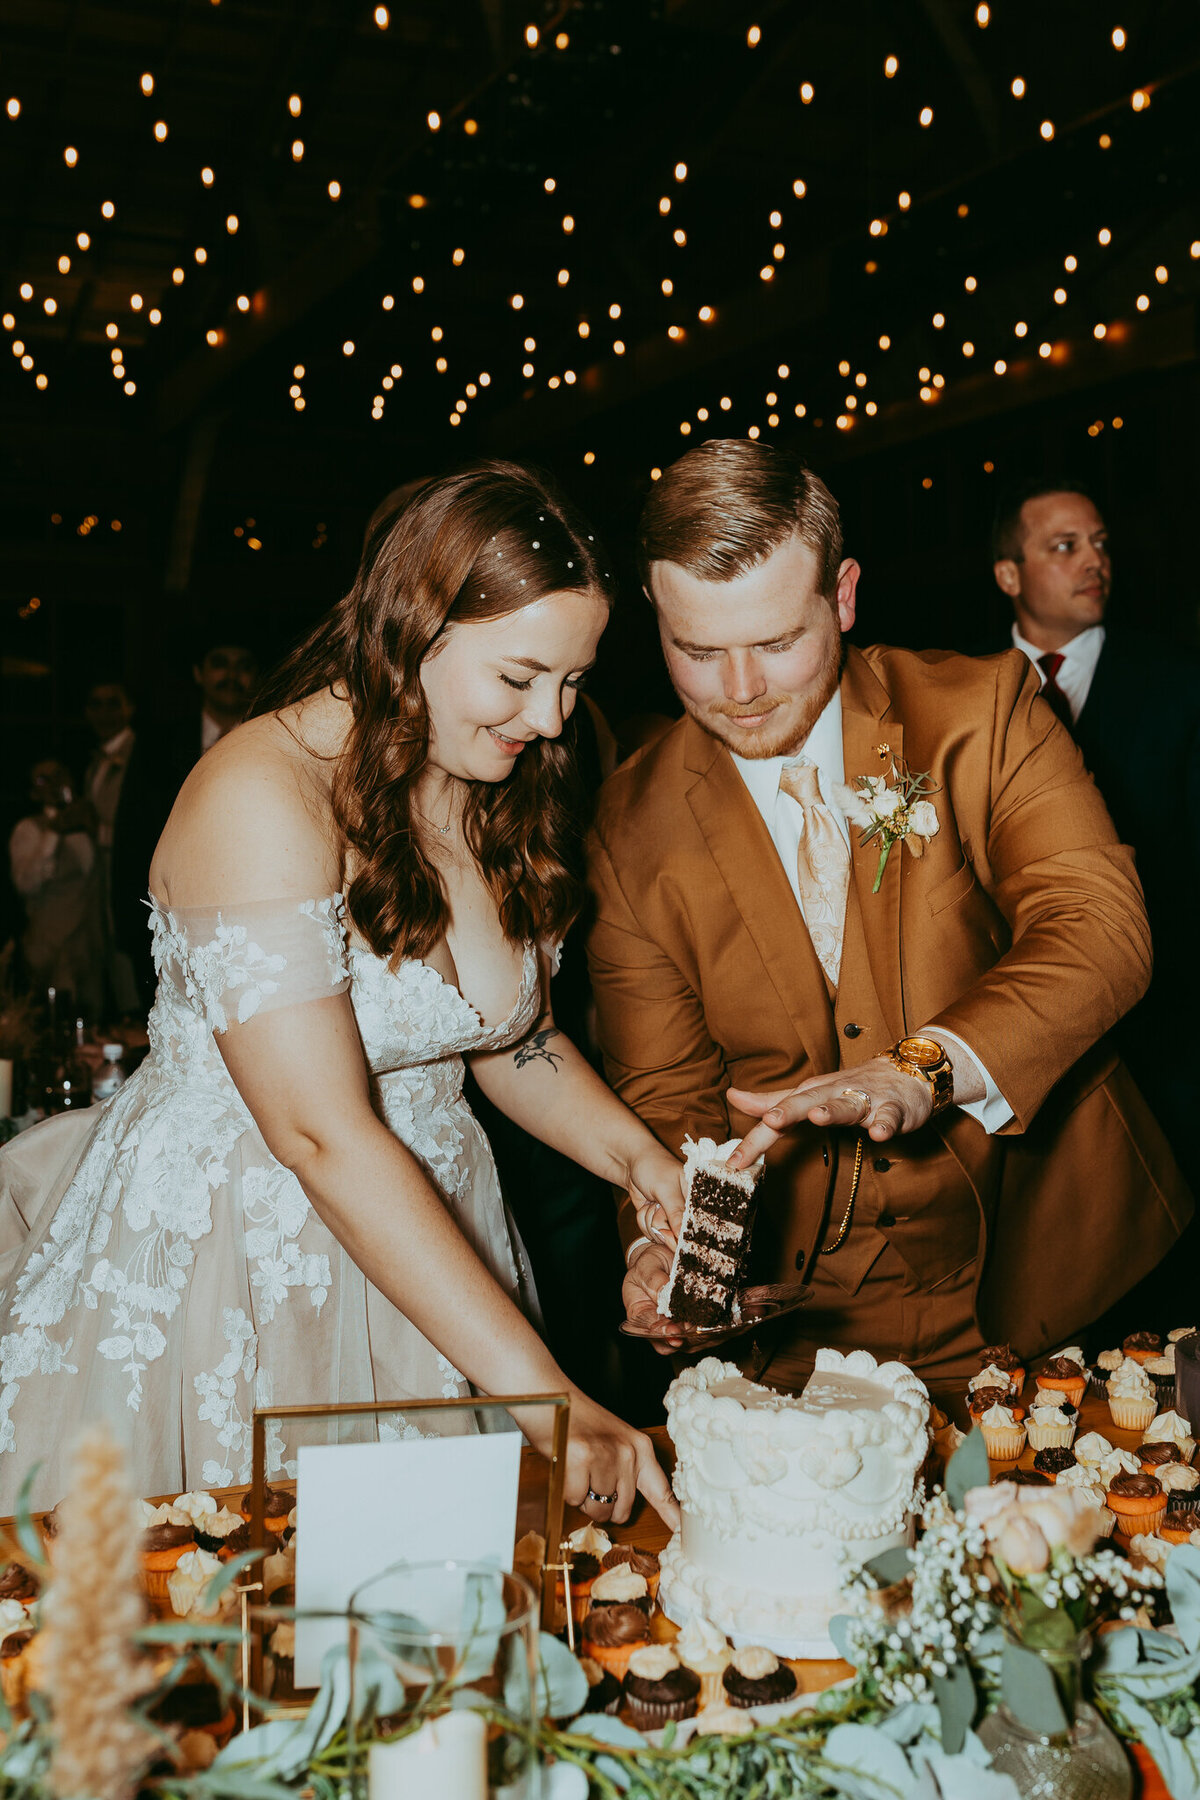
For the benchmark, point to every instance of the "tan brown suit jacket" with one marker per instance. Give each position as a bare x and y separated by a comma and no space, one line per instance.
1021,929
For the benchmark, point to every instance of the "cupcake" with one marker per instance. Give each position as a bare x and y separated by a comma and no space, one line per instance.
1156,1456
983,1399
1003,1434
1138,1501
276,1507
16,1635
187,1587
1117,1462
235,1544
17,1583
1161,1370
167,1535
1094,1496
1003,1356
1179,1521
1050,1427
1131,1397
621,1586
1063,1375
992,1375
723,1721
611,1634
1054,1462
757,1678
658,1688
1142,1345
197,1506
702,1647
585,1549
1108,1360
1180,1478
1150,1552
604,1690
282,1648
292,1526
1181,1332
642,1562
1169,1427
1092,1447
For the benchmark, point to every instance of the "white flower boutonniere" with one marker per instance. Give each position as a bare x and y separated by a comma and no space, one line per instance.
899,813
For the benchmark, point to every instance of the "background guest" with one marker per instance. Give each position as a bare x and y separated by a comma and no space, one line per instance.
1133,703
227,677
52,859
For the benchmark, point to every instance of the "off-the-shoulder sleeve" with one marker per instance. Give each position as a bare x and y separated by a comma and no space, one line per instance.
238,962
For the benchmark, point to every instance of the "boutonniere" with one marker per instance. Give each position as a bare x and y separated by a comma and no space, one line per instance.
895,812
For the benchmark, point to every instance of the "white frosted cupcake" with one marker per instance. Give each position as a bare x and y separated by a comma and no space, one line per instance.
1132,1399
1170,1428
1117,1462
702,1648
1149,1552
1092,1447
1009,1381
1050,1428
1095,1497
1003,1434
1178,1478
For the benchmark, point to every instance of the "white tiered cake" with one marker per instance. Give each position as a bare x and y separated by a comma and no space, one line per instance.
781,1493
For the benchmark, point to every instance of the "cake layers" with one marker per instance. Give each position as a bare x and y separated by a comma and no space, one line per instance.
714,1236
782,1494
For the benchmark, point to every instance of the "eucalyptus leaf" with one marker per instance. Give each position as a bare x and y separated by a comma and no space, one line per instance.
1030,1691
967,1469
28,1535
865,1764
910,1722
956,1702
228,1573
962,1778
187,1631
1183,1592
891,1566
562,1687
839,1629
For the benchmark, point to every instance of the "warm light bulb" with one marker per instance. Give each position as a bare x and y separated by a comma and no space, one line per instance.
1143,302
517,301
297,149
434,121
1139,100
968,348
806,92
1104,235
754,36
388,301
200,253
243,303
136,302
458,258
549,184
531,36
970,284
64,265
147,83
1047,129
891,64
418,284
294,105
348,347
107,209
1000,366
799,188
939,319
335,190
84,241
568,223
1070,264
1060,296
681,171
982,15
206,176
705,314
904,200
926,115
110,330
1018,87
211,336
13,109
70,156
1161,274
231,224
160,130
1020,328
154,316
381,17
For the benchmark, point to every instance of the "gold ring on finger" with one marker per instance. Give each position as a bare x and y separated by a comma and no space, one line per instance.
864,1099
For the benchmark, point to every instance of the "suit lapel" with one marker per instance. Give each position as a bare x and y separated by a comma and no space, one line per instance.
867,726
749,865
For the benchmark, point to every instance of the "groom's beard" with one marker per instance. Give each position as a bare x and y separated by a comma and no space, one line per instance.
792,716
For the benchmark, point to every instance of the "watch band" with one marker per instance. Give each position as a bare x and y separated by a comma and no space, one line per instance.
938,1077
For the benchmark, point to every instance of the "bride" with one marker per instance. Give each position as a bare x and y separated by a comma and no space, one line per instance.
291,1202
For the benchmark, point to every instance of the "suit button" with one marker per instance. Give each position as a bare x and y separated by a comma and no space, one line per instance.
852,1030
801,1259
881,1165
885,1221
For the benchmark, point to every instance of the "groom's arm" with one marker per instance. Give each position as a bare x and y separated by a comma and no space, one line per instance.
658,1054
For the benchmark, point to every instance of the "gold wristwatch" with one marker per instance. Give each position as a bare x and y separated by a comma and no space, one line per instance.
926,1060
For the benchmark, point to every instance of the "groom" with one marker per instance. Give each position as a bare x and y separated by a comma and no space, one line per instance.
955,1155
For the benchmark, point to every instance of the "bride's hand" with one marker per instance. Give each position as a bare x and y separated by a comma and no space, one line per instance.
656,1186
605,1457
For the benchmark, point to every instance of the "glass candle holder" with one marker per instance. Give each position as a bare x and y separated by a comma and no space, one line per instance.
443,1684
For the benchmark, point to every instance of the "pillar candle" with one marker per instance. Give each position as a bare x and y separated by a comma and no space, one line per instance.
445,1759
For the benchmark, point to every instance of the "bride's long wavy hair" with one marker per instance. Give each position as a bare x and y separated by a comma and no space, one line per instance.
471,546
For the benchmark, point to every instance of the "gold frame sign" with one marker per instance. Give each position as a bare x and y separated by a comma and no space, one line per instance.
490,1403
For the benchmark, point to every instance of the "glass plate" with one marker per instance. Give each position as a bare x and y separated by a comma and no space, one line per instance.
760,1305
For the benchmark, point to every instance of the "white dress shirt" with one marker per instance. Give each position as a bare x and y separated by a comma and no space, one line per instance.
1079,658
210,732
783,818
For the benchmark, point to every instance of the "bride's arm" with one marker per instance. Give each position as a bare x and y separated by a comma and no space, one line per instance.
548,1087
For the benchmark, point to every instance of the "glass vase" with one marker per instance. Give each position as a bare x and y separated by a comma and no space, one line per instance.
443,1685
1083,1761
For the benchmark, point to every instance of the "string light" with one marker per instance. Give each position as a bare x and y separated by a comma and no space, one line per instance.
806,92
388,301
295,104
160,130
926,115
231,224
1118,38
1161,274
1143,302
13,108
207,177
799,188
434,121
297,149
1020,328
982,16
1139,100
753,36
70,156
243,303
681,171
334,190
1104,235
381,17
890,66
50,305
1047,129
147,84
108,210
904,200
136,302
64,265
177,277
26,290
1018,87
83,240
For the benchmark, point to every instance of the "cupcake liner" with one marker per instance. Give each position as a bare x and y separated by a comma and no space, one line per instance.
1108,1522
712,1686
1173,1534
651,1715
1164,1388
1071,1387
156,1582
1130,1414
1050,1437
1004,1443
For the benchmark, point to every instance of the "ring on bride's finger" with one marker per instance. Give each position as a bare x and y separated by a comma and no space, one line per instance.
860,1095
601,1499
655,1206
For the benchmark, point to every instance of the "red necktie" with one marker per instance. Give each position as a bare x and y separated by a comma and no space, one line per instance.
1050,664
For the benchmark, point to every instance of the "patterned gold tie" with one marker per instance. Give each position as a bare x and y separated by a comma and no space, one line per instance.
822,866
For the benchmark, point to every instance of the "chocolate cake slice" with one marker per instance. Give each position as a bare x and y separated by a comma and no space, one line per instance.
714,1237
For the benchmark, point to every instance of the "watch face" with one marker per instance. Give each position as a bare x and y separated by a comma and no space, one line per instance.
926,1053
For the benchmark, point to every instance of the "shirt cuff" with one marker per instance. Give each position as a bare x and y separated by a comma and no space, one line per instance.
992,1112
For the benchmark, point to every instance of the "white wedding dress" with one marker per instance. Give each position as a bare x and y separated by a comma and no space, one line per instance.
159,1266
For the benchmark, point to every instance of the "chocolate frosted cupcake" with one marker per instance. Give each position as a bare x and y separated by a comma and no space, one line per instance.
1179,1520
658,1688
1003,1356
642,1562
167,1535
1142,1345
1055,1462
276,1507
585,1550
1161,1370
216,1532
981,1400
604,1690
1063,1375
1138,1502
17,1583
612,1633
1154,1456
757,1678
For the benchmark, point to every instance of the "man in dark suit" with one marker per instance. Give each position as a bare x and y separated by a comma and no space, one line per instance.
1133,704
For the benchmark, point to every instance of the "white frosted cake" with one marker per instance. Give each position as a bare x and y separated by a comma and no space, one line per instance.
782,1493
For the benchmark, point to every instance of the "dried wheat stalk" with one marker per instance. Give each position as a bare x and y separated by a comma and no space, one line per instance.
92,1608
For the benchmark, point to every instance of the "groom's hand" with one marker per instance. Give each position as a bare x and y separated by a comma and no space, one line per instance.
876,1095
648,1271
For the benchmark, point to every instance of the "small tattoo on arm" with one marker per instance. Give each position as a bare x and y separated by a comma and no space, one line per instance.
534,1049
